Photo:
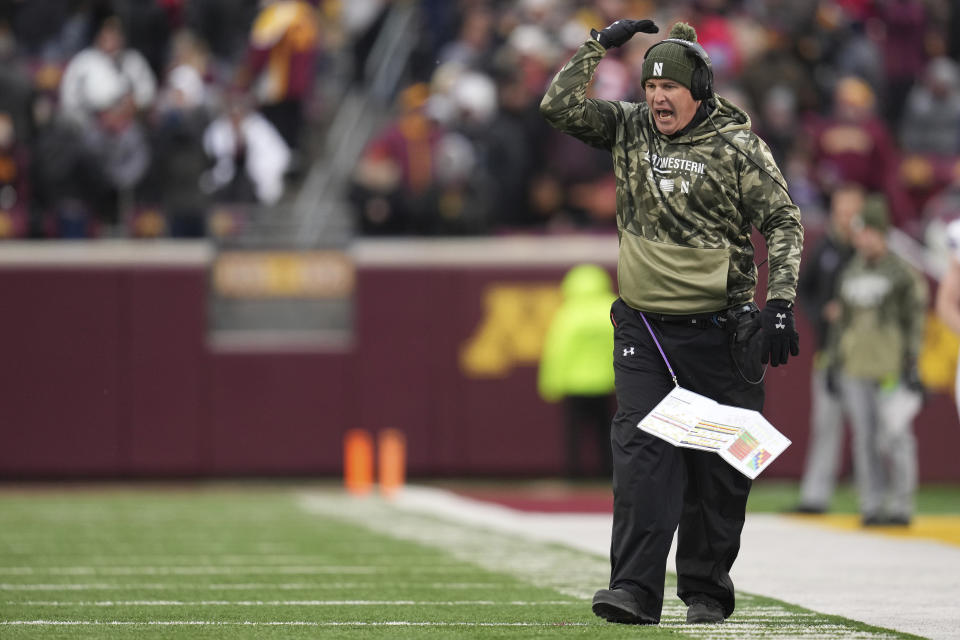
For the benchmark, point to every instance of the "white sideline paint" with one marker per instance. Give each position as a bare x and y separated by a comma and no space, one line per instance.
239,586
279,623
902,584
215,571
907,585
287,603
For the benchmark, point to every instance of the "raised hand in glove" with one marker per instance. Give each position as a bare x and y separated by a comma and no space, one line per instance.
621,31
779,333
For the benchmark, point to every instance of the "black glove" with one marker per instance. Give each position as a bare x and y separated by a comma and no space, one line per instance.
779,334
621,31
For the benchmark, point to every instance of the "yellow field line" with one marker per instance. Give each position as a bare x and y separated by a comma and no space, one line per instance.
942,528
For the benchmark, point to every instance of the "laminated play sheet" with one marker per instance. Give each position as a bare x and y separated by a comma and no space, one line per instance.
742,437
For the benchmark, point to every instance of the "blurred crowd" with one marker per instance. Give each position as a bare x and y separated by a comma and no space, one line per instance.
843,91
140,117
148,117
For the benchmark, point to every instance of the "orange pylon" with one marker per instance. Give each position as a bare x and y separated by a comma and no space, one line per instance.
358,461
392,457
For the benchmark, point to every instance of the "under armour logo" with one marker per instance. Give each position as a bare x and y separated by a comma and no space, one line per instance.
628,351
781,317
658,68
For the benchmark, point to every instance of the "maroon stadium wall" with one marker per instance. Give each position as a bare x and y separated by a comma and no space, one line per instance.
108,371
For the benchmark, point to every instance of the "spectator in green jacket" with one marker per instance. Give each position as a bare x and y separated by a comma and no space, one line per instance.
577,363
874,348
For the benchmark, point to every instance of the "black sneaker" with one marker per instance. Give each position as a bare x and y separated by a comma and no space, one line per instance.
898,521
873,520
704,610
619,605
807,509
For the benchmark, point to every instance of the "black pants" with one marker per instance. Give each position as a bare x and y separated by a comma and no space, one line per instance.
587,416
657,487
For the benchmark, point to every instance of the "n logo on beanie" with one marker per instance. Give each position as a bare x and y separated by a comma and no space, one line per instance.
671,59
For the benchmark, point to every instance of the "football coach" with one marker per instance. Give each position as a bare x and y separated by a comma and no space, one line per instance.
692,181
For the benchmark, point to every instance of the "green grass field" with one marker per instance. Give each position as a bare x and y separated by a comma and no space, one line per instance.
775,496
257,561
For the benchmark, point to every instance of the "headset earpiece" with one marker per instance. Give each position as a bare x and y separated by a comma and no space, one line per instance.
701,82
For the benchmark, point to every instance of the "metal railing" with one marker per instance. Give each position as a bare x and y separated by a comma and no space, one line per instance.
321,199
317,215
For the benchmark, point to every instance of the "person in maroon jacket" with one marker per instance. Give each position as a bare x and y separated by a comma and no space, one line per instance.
854,145
284,43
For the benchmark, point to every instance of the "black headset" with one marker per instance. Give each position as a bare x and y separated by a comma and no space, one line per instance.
701,82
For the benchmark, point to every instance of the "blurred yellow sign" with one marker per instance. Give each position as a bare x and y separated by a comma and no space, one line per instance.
289,274
512,329
938,357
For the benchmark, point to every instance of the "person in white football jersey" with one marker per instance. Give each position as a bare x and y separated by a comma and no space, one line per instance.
948,294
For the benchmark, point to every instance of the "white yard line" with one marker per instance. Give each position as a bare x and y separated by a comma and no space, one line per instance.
243,586
208,559
287,603
278,623
226,570
735,631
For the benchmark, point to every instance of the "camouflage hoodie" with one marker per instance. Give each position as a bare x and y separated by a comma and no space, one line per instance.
880,330
685,205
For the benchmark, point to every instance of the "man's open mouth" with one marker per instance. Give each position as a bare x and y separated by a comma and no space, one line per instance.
663,114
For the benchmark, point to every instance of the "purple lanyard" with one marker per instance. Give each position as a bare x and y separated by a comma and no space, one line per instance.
660,349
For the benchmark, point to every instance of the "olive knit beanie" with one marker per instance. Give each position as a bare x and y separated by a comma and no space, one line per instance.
671,60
